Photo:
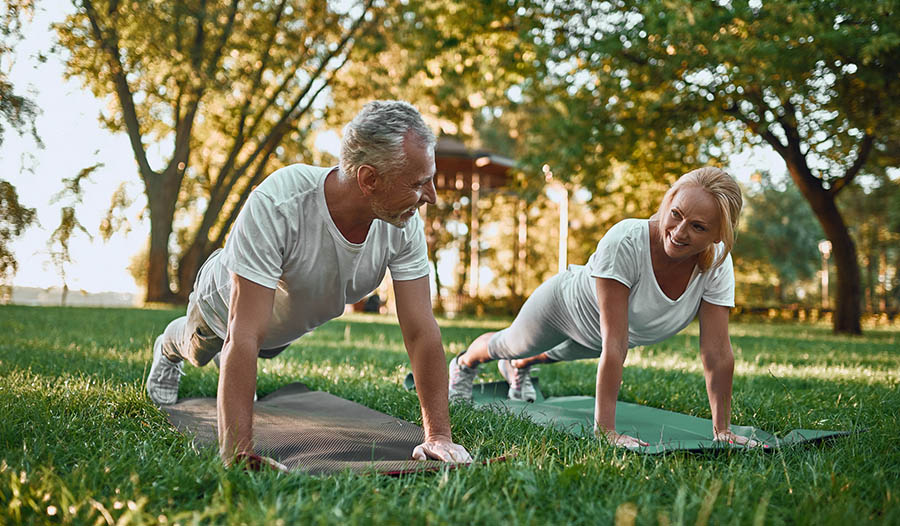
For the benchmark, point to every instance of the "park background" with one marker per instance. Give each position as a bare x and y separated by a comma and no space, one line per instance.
133,130
588,110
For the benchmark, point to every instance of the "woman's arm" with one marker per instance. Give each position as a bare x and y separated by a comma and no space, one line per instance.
718,369
612,298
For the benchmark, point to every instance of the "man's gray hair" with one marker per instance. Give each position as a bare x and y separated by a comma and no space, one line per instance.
375,137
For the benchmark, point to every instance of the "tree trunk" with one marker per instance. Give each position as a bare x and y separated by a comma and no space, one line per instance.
847,305
161,200
847,311
188,266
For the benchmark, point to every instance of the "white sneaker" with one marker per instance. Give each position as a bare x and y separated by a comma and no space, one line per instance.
461,379
164,377
519,380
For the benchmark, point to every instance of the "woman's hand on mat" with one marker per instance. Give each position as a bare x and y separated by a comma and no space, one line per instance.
731,438
623,440
441,449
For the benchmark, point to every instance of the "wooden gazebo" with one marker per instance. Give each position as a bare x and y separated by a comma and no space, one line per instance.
472,172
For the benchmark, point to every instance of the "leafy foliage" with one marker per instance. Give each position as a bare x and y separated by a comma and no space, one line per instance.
232,90
14,218
19,112
779,234
15,110
58,244
667,85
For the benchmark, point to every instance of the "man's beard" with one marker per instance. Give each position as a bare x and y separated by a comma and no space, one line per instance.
395,219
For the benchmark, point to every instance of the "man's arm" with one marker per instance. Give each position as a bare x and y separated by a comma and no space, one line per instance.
426,355
718,369
248,317
612,300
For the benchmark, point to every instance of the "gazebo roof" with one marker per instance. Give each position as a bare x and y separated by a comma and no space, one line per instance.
456,164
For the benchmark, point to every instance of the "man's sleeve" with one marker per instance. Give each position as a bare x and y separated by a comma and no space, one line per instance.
256,245
411,261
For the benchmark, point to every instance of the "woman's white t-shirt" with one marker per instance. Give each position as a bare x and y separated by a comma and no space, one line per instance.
624,255
285,239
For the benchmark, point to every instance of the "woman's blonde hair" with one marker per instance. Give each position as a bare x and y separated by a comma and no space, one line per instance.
727,194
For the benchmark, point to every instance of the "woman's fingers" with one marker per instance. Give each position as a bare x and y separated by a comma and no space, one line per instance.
731,438
627,441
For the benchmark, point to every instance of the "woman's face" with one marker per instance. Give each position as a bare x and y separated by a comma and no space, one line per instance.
690,224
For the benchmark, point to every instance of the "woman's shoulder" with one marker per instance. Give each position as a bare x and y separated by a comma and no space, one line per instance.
628,236
628,229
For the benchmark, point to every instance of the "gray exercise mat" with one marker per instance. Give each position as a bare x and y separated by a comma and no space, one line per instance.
314,432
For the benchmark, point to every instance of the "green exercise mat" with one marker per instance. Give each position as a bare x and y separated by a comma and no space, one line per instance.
663,430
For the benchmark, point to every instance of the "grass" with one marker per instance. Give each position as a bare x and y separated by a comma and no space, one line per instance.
80,442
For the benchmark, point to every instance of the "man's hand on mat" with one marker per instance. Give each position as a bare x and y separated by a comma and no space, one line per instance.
254,462
731,438
441,449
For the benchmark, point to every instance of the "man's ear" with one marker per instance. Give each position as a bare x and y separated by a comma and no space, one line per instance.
367,178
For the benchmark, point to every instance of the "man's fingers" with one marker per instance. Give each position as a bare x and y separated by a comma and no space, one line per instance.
254,462
443,452
274,464
459,454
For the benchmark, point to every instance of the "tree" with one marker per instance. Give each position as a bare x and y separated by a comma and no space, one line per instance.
778,234
219,85
14,219
815,81
231,90
874,213
20,113
58,244
15,110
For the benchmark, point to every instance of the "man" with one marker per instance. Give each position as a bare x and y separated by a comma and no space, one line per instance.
307,242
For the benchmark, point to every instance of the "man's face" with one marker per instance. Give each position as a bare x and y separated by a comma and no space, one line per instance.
397,201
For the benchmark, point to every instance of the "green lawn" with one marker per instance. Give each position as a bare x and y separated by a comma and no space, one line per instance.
81,443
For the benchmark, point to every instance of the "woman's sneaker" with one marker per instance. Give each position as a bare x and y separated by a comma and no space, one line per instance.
461,379
519,380
164,377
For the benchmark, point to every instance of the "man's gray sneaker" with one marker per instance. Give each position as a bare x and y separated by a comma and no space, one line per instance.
164,377
461,379
519,380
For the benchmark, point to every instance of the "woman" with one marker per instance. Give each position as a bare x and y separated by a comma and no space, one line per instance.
645,282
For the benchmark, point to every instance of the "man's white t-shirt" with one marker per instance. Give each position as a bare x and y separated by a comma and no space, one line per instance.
285,239
623,254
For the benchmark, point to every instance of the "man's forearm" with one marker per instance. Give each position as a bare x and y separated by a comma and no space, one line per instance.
430,371
237,384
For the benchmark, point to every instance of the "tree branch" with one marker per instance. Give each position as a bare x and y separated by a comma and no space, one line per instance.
109,44
238,141
288,115
862,155
220,47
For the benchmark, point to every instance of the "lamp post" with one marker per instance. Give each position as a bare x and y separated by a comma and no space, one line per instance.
825,249
557,193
